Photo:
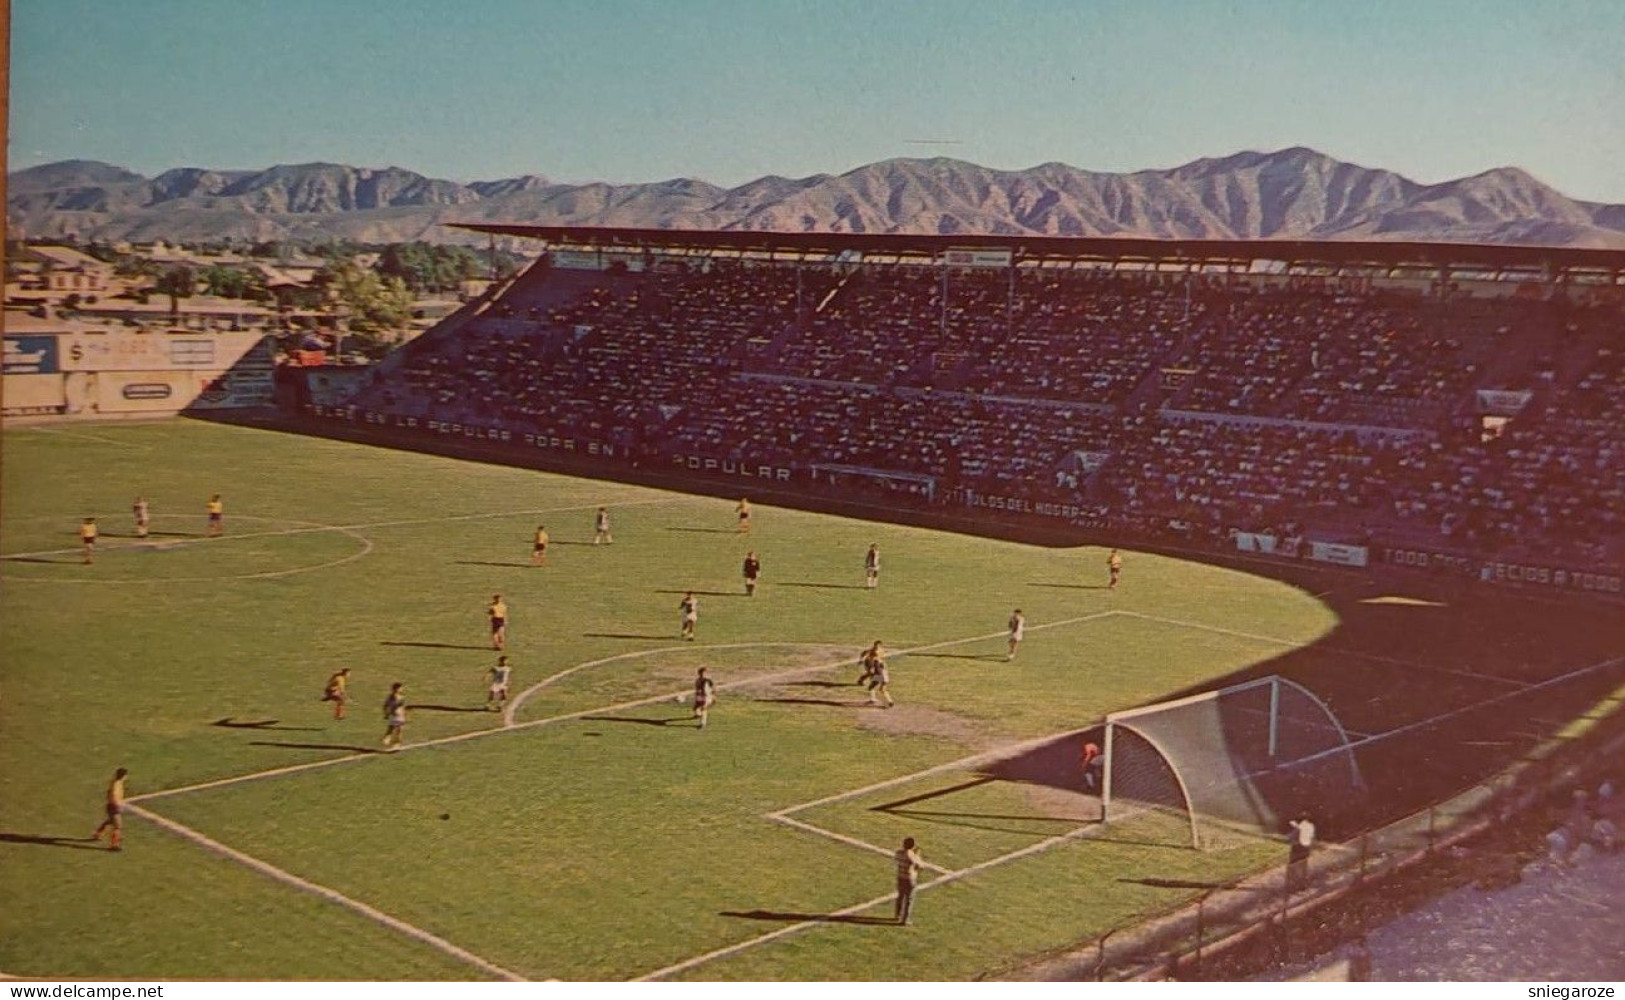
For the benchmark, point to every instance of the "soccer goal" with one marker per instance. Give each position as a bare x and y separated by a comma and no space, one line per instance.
1243,758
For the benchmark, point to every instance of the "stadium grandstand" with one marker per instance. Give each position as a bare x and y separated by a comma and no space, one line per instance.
1451,408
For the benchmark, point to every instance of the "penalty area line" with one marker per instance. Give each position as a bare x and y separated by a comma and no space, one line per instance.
331,895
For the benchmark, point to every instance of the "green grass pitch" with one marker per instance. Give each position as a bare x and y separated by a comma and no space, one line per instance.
602,836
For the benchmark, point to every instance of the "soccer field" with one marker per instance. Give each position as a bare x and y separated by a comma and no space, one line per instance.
592,831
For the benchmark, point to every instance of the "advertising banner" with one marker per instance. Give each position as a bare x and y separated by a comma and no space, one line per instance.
129,350
1342,555
28,395
31,355
977,258
1247,541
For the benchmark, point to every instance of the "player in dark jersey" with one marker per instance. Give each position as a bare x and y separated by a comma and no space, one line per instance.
752,571
705,695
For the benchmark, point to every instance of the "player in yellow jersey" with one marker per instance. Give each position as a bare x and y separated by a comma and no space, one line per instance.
743,510
600,528
217,516
498,613
538,550
87,539
338,692
115,811
1114,566
143,517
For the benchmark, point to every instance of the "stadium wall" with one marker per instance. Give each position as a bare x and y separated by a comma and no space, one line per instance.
127,373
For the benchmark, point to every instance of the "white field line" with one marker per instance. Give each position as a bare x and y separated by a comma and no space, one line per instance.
1375,658
852,841
513,706
733,949
332,896
570,716
88,437
310,527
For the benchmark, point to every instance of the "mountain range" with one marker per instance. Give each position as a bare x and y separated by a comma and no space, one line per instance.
1295,193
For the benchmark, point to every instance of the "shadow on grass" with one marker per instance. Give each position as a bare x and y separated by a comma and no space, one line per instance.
705,593
447,708
503,565
995,657
802,918
1072,586
1028,818
73,843
1173,883
709,531
230,722
624,635
75,560
431,645
824,586
634,719
347,747
815,701
819,684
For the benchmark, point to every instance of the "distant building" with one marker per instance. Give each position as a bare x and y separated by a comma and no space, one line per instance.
64,269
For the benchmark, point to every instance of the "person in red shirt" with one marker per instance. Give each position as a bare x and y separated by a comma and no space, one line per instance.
1088,760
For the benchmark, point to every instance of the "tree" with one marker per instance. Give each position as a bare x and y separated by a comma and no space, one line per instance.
178,283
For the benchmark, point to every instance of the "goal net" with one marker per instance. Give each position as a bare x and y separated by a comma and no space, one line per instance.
1244,758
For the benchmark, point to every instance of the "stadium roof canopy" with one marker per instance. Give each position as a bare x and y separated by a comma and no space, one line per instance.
1031,247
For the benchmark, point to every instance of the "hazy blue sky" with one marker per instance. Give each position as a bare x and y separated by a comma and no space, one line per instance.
728,91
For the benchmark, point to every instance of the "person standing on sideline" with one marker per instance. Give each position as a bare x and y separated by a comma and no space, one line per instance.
1114,567
908,876
87,539
143,519
538,548
338,692
217,516
1089,761
690,608
705,695
1018,631
1297,865
115,811
394,715
752,570
498,613
871,567
743,510
600,528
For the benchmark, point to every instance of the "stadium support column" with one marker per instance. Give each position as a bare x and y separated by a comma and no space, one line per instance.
492,249
1010,300
943,326
1275,713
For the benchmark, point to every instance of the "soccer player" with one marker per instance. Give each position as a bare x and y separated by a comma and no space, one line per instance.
115,811
337,691
496,697
600,528
87,539
1018,629
1114,565
705,695
690,607
867,660
394,715
743,510
538,549
498,613
871,567
142,517
908,874
879,681
217,516
753,570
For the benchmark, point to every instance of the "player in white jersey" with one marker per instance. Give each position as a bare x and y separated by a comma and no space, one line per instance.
1018,631
496,697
